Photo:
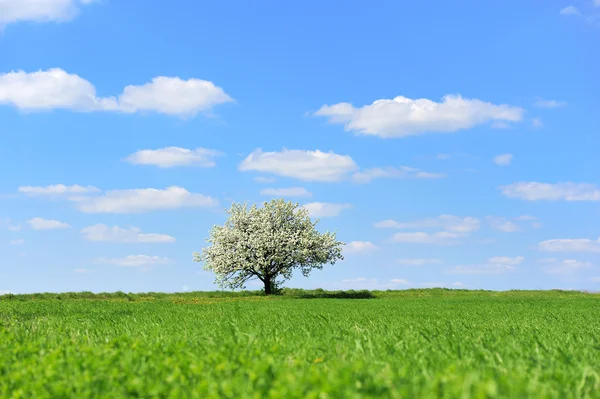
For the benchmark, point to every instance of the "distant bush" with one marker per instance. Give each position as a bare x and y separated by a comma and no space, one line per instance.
321,293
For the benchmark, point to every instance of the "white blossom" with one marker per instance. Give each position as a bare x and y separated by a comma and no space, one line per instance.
267,243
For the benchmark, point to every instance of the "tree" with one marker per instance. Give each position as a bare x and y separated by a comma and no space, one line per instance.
268,244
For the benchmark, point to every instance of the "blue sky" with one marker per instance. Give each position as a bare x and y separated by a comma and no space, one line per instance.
449,144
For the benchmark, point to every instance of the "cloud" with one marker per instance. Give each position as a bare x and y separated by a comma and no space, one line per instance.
356,247
526,217
589,15
503,159
264,179
570,10
439,238
169,157
570,245
102,232
541,103
57,190
401,116
325,209
10,226
390,172
38,223
537,123
372,283
323,167
143,200
172,96
144,261
299,164
57,89
286,192
447,222
358,280
502,224
83,271
495,265
569,191
418,261
39,10
567,266
17,242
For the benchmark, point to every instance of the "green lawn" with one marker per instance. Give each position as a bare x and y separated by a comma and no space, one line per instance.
402,344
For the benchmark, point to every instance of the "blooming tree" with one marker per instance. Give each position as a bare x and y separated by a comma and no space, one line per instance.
267,244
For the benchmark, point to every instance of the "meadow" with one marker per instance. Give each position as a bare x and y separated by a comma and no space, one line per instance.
302,344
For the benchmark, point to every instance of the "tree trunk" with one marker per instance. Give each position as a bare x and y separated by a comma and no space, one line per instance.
268,286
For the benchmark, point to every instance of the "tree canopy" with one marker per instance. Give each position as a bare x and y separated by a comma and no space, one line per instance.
268,244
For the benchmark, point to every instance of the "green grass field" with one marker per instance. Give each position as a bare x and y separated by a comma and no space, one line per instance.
401,344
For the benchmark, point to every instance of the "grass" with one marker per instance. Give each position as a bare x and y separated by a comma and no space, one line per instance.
303,344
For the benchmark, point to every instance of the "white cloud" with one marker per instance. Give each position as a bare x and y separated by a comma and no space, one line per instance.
57,190
495,265
447,222
439,238
38,223
541,103
169,157
458,284
567,266
390,172
506,260
144,261
14,227
83,271
102,232
418,261
570,245
537,123
401,116
356,247
503,159
534,191
570,10
286,192
39,10
526,217
325,209
502,224
323,167
299,164
172,96
17,242
399,281
143,200
358,280
264,179
57,89
370,283
10,226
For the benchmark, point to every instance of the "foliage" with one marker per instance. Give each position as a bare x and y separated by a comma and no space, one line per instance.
268,244
403,344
